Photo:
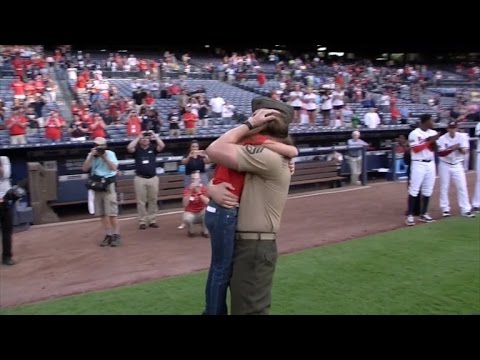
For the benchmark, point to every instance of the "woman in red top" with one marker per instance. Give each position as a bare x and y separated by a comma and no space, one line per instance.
53,128
134,124
226,219
97,127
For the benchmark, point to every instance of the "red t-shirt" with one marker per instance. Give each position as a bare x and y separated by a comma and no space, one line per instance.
17,129
52,131
18,87
195,205
190,120
237,179
39,86
261,78
133,126
97,132
30,89
81,82
149,100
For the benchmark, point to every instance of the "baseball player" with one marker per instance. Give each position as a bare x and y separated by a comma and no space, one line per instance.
452,148
422,142
476,196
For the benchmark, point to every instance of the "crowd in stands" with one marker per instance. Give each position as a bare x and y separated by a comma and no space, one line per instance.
336,95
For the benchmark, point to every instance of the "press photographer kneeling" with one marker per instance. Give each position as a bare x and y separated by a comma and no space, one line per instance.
103,165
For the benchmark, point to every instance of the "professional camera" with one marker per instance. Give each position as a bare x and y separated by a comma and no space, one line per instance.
100,151
15,193
147,133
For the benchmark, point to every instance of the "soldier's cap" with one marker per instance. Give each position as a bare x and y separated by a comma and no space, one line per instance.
100,141
452,125
263,102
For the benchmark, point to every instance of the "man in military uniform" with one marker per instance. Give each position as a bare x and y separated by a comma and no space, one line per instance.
261,205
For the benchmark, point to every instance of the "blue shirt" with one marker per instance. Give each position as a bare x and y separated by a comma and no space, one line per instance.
100,166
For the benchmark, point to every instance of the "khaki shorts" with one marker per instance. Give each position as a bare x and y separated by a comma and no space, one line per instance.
191,131
106,203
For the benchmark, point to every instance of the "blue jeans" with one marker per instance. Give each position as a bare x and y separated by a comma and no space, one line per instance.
221,224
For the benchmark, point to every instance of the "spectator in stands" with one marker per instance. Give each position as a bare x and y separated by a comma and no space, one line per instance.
151,121
326,107
354,157
296,102
78,129
195,200
53,127
97,127
404,115
18,88
190,121
368,102
311,106
216,104
228,110
134,124
145,148
203,110
17,125
6,211
195,161
174,122
338,97
371,119
103,163
138,96
384,103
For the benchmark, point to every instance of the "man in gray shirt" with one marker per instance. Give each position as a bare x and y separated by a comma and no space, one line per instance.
354,157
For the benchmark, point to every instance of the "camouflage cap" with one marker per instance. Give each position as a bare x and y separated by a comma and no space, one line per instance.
263,102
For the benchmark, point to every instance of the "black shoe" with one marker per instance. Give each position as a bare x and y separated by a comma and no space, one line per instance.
8,261
190,234
142,227
153,225
106,241
115,240
476,209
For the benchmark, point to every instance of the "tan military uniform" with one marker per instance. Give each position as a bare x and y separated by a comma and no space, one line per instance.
261,206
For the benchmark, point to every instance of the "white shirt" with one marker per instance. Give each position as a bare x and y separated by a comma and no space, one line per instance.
132,61
326,102
298,95
384,100
338,98
217,104
477,133
310,101
72,73
5,184
446,141
227,111
371,120
418,137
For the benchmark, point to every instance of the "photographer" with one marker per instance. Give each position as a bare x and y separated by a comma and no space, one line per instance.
6,211
195,161
144,148
104,164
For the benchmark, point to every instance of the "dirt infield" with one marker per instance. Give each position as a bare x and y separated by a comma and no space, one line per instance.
65,259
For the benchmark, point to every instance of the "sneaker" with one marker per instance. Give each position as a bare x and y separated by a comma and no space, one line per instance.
476,209
106,241
446,214
115,240
180,227
142,226
205,235
153,225
426,218
468,215
410,221
8,261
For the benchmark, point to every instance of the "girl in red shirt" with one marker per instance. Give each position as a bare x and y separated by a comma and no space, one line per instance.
97,127
53,128
226,219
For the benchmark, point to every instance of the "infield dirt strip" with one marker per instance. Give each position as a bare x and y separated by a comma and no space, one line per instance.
65,259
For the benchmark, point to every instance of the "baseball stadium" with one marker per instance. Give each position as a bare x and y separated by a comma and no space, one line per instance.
168,181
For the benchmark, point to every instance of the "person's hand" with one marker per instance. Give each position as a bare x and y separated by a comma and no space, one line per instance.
263,116
433,138
455,147
222,195
291,166
202,153
93,152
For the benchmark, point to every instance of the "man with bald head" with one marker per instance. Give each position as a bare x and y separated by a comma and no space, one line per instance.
354,157
262,202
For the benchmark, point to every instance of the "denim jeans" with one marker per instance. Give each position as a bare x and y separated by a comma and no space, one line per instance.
221,224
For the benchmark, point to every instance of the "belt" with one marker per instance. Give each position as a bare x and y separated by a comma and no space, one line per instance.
145,177
255,236
446,162
422,160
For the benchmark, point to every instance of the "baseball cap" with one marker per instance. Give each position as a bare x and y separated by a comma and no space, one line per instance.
452,124
100,141
263,102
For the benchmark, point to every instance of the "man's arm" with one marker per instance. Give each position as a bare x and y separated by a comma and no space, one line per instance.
87,164
133,144
5,168
111,160
224,150
186,199
160,143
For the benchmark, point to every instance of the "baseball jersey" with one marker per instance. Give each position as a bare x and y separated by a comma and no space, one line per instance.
420,150
446,141
265,190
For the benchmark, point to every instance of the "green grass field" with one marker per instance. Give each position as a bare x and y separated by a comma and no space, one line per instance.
429,269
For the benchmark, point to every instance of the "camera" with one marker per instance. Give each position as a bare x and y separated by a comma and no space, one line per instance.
100,151
147,133
15,193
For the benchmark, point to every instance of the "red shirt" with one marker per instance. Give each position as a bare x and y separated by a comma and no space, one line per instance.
39,85
52,131
149,100
195,204
97,132
30,89
133,126
237,179
190,120
17,129
261,78
18,87
81,82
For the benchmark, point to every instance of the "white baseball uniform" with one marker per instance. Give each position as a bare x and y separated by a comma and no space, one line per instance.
451,166
476,196
423,170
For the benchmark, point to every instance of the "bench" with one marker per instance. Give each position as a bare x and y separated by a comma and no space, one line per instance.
314,172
